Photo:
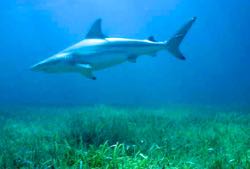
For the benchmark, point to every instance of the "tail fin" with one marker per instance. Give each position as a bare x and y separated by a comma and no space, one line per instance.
173,44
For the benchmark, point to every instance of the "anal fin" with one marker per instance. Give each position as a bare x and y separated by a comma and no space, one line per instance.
132,58
153,54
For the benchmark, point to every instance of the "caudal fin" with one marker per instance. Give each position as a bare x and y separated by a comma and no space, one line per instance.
173,44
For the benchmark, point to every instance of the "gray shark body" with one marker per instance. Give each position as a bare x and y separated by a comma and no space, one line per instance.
97,52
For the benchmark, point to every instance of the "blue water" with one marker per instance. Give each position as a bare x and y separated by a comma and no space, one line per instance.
217,51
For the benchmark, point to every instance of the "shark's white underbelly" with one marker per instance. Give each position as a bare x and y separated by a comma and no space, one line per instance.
105,60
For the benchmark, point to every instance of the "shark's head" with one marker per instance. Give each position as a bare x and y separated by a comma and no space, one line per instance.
53,64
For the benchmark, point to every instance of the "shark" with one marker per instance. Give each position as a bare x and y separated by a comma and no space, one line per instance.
98,51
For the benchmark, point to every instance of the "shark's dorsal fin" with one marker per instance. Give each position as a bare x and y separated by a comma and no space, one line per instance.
151,38
95,31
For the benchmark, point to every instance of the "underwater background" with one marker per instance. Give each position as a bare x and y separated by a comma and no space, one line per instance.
158,113
217,47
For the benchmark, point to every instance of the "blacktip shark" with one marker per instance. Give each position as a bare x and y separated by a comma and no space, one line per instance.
98,51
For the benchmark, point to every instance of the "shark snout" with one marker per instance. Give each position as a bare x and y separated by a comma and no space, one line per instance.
48,65
37,67
43,65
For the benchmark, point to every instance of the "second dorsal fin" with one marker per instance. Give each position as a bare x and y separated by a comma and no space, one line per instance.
95,31
151,38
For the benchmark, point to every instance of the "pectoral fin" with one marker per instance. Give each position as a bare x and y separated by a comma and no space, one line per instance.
86,70
84,66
